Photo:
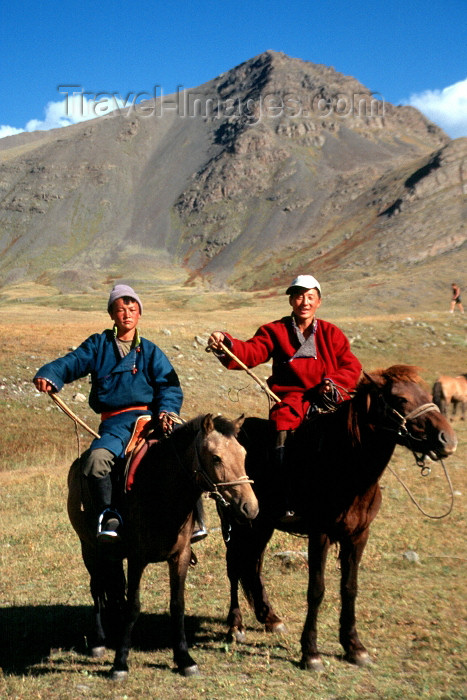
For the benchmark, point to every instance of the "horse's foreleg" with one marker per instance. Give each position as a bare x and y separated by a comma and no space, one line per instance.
318,547
98,637
178,567
350,556
132,609
244,557
234,618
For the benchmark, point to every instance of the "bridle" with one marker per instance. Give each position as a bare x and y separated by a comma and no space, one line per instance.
401,426
199,473
401,429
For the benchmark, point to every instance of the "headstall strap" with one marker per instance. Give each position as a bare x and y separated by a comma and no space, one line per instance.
213,487
415,413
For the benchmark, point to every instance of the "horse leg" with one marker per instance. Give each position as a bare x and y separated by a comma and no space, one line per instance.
234,618
97,642
178,567
318,547
98,639
132,610
245,551
350,557
443,406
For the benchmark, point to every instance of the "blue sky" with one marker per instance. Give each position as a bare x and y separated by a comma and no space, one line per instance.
410,51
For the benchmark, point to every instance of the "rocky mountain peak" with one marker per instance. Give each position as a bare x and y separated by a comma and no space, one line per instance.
241,180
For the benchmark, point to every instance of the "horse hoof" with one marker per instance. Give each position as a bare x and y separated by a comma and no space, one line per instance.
98,652
190,671
312,664
279,628
363,659
237,635
119,676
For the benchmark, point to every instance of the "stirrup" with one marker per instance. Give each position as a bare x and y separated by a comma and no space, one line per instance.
108,525
289,516
199,534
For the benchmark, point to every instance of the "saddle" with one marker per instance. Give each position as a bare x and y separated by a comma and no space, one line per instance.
141,441
137,447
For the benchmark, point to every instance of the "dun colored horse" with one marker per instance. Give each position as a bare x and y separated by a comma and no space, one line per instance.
333,464
202,455
447,390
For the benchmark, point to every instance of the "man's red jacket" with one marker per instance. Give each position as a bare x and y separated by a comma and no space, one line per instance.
329,357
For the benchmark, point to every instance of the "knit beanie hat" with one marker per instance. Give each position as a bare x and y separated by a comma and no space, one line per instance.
123,290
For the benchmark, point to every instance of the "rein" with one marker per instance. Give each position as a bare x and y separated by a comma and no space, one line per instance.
414,500
403,431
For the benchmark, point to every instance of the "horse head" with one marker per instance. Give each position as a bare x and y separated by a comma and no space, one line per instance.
402,404
221,469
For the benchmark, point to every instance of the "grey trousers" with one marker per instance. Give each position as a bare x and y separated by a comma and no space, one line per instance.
97,463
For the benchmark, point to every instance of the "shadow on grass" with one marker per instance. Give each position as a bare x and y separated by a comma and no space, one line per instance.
31,633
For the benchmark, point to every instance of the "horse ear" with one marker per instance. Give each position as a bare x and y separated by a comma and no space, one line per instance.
238,423
207,424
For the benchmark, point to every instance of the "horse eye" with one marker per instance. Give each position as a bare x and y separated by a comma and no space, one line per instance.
216,459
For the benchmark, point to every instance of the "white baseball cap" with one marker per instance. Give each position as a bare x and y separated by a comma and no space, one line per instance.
305,282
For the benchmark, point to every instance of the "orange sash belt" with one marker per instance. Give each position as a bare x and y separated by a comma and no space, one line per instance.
110,414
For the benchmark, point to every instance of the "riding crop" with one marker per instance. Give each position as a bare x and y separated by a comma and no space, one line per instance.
62,405
262,384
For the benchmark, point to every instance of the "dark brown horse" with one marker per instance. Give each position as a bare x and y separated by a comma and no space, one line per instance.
333,465
202,455
450,390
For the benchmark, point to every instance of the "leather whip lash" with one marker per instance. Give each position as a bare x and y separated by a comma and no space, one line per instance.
262,384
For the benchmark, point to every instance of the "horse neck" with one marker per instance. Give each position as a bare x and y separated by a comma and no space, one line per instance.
377,444
174,462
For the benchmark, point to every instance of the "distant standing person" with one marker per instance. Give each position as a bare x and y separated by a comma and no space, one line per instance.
456,298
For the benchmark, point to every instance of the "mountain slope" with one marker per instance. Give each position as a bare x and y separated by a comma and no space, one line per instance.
277,165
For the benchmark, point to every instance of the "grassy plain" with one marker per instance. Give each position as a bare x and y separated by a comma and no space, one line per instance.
411,614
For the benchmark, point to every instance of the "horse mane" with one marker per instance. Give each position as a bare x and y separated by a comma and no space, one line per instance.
223,425
395,373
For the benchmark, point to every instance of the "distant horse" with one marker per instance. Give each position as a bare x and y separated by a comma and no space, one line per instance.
333,466
202,455
447,390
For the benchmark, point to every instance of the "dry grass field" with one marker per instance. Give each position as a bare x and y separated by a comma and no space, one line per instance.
411,613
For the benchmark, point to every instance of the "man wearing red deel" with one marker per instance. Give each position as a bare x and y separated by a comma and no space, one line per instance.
311,358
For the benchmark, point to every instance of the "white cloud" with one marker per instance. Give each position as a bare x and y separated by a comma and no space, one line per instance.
71,110
447,107
9,131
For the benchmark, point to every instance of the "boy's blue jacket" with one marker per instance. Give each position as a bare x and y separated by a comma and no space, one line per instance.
144,377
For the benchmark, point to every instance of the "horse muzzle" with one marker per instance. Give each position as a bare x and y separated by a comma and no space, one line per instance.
250,509
447,441
245,506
